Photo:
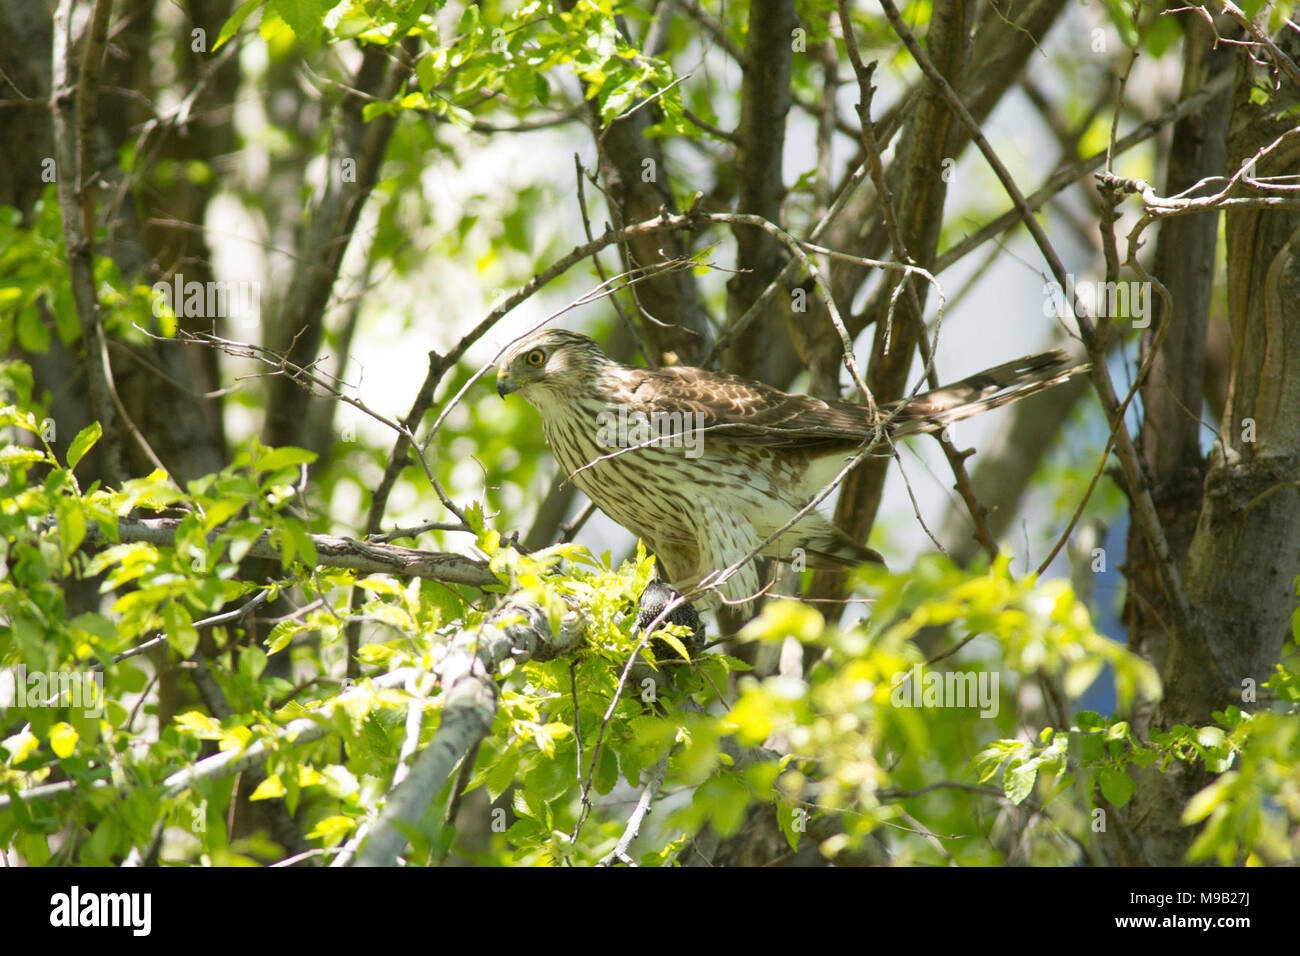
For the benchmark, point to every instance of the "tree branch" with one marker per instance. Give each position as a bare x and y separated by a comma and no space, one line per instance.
331,551
1143,508
71,106
764,104
362,144
304,730
467,675
913,313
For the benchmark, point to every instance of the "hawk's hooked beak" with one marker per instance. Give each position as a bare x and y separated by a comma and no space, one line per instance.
505,384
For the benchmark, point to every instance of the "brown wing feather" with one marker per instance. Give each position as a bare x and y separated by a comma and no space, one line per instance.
751,413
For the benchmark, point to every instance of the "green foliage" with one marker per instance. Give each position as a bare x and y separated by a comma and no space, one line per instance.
1248,807
167,588
869,739
34,274
882,751
497,55
34,280
867,752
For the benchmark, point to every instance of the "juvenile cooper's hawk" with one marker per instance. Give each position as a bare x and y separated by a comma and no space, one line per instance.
704,466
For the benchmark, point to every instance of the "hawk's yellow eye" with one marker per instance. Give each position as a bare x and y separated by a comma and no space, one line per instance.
535,358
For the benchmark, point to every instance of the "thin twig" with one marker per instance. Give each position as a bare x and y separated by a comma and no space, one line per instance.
600,269
1145,514
914,314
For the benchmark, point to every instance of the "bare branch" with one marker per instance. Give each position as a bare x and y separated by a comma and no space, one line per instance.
1068,175
1275,53
331,552
380,75
643,801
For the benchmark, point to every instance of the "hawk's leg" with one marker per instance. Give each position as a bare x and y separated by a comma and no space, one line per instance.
654,598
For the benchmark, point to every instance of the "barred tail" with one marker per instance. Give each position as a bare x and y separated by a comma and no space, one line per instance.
991,388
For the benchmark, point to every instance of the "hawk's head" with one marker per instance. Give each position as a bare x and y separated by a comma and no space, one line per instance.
550,361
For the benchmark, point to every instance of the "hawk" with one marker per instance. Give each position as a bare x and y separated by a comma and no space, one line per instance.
705,466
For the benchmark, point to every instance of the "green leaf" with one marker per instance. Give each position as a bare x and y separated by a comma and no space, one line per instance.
1116,785
21,745
288,547
340,782
381,108
269,788
281,635
469,20
725,798
474,517
231,26
1202,804
303,544
17,455
179,627
675,643
33,335
381,585
72,528
1210,737
1019,781
1080,675
606,775
425,72
221,511
1091,748
96,625
304,17
1122,18
782,619
10,415
252,661
242,537
786,817
501,775
84,441
285,457
333,829
460,116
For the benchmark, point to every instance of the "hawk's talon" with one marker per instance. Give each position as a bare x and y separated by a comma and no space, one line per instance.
656,596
